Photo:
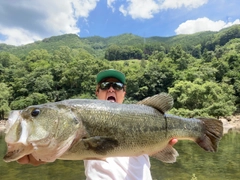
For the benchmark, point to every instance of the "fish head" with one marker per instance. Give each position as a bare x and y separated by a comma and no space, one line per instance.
45,131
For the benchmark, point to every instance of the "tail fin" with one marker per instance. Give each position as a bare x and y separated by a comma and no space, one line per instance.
213,132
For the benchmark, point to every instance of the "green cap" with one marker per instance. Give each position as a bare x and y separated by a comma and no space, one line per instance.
111,73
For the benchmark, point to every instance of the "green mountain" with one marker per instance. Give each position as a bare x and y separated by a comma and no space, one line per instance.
97,45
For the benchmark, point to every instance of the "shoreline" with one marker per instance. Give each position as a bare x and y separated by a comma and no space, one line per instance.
231,123
2,126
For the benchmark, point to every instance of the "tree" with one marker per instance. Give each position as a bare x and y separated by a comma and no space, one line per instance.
4,59
64,54
37,59
150,48
196,52
112,53
208,55
67,68
156,78
32,99
203,98
4,100
176,53
43,83
222,68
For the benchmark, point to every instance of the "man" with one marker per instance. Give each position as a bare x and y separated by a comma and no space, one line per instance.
111,86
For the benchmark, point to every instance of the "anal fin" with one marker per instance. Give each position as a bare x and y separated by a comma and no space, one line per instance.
167,155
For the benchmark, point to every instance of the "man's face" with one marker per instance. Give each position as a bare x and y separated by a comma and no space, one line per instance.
111,94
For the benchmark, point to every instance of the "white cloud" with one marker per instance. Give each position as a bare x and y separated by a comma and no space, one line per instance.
26,21
110,4
17,36
82,7
145,9
123,10
237,21
174,4
203,24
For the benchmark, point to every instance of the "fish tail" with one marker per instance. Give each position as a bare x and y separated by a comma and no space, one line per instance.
212,134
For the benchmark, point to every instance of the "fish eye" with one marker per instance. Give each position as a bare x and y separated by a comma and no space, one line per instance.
35,112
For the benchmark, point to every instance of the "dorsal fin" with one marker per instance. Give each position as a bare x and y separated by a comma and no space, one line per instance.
162,102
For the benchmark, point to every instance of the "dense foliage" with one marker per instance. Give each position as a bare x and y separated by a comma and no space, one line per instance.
201,71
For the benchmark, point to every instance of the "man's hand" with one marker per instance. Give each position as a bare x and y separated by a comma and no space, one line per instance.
173,141
29,159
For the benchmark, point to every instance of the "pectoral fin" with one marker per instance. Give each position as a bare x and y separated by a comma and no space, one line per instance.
100,144
168,154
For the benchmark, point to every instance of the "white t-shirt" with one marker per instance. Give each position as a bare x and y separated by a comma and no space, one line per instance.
119,168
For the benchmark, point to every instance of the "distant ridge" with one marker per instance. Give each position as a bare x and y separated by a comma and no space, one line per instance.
97,44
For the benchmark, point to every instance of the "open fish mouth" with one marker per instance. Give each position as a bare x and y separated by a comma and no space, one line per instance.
111,99
16,151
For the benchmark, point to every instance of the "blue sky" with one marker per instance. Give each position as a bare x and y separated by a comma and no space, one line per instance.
24,21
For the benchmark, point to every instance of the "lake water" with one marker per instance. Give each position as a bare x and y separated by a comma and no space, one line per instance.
192,164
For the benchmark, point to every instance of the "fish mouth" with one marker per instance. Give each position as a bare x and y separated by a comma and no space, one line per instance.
111,99
16,151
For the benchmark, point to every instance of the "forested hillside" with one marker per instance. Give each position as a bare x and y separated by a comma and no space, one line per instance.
201,71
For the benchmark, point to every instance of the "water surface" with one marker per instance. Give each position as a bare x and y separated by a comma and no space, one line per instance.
193,163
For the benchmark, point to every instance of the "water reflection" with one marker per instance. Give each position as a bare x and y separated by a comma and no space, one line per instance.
192,163
195,162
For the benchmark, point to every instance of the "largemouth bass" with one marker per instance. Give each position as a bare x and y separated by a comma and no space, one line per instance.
81,129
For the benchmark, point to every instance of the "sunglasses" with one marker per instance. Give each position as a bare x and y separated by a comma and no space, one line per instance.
115,85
